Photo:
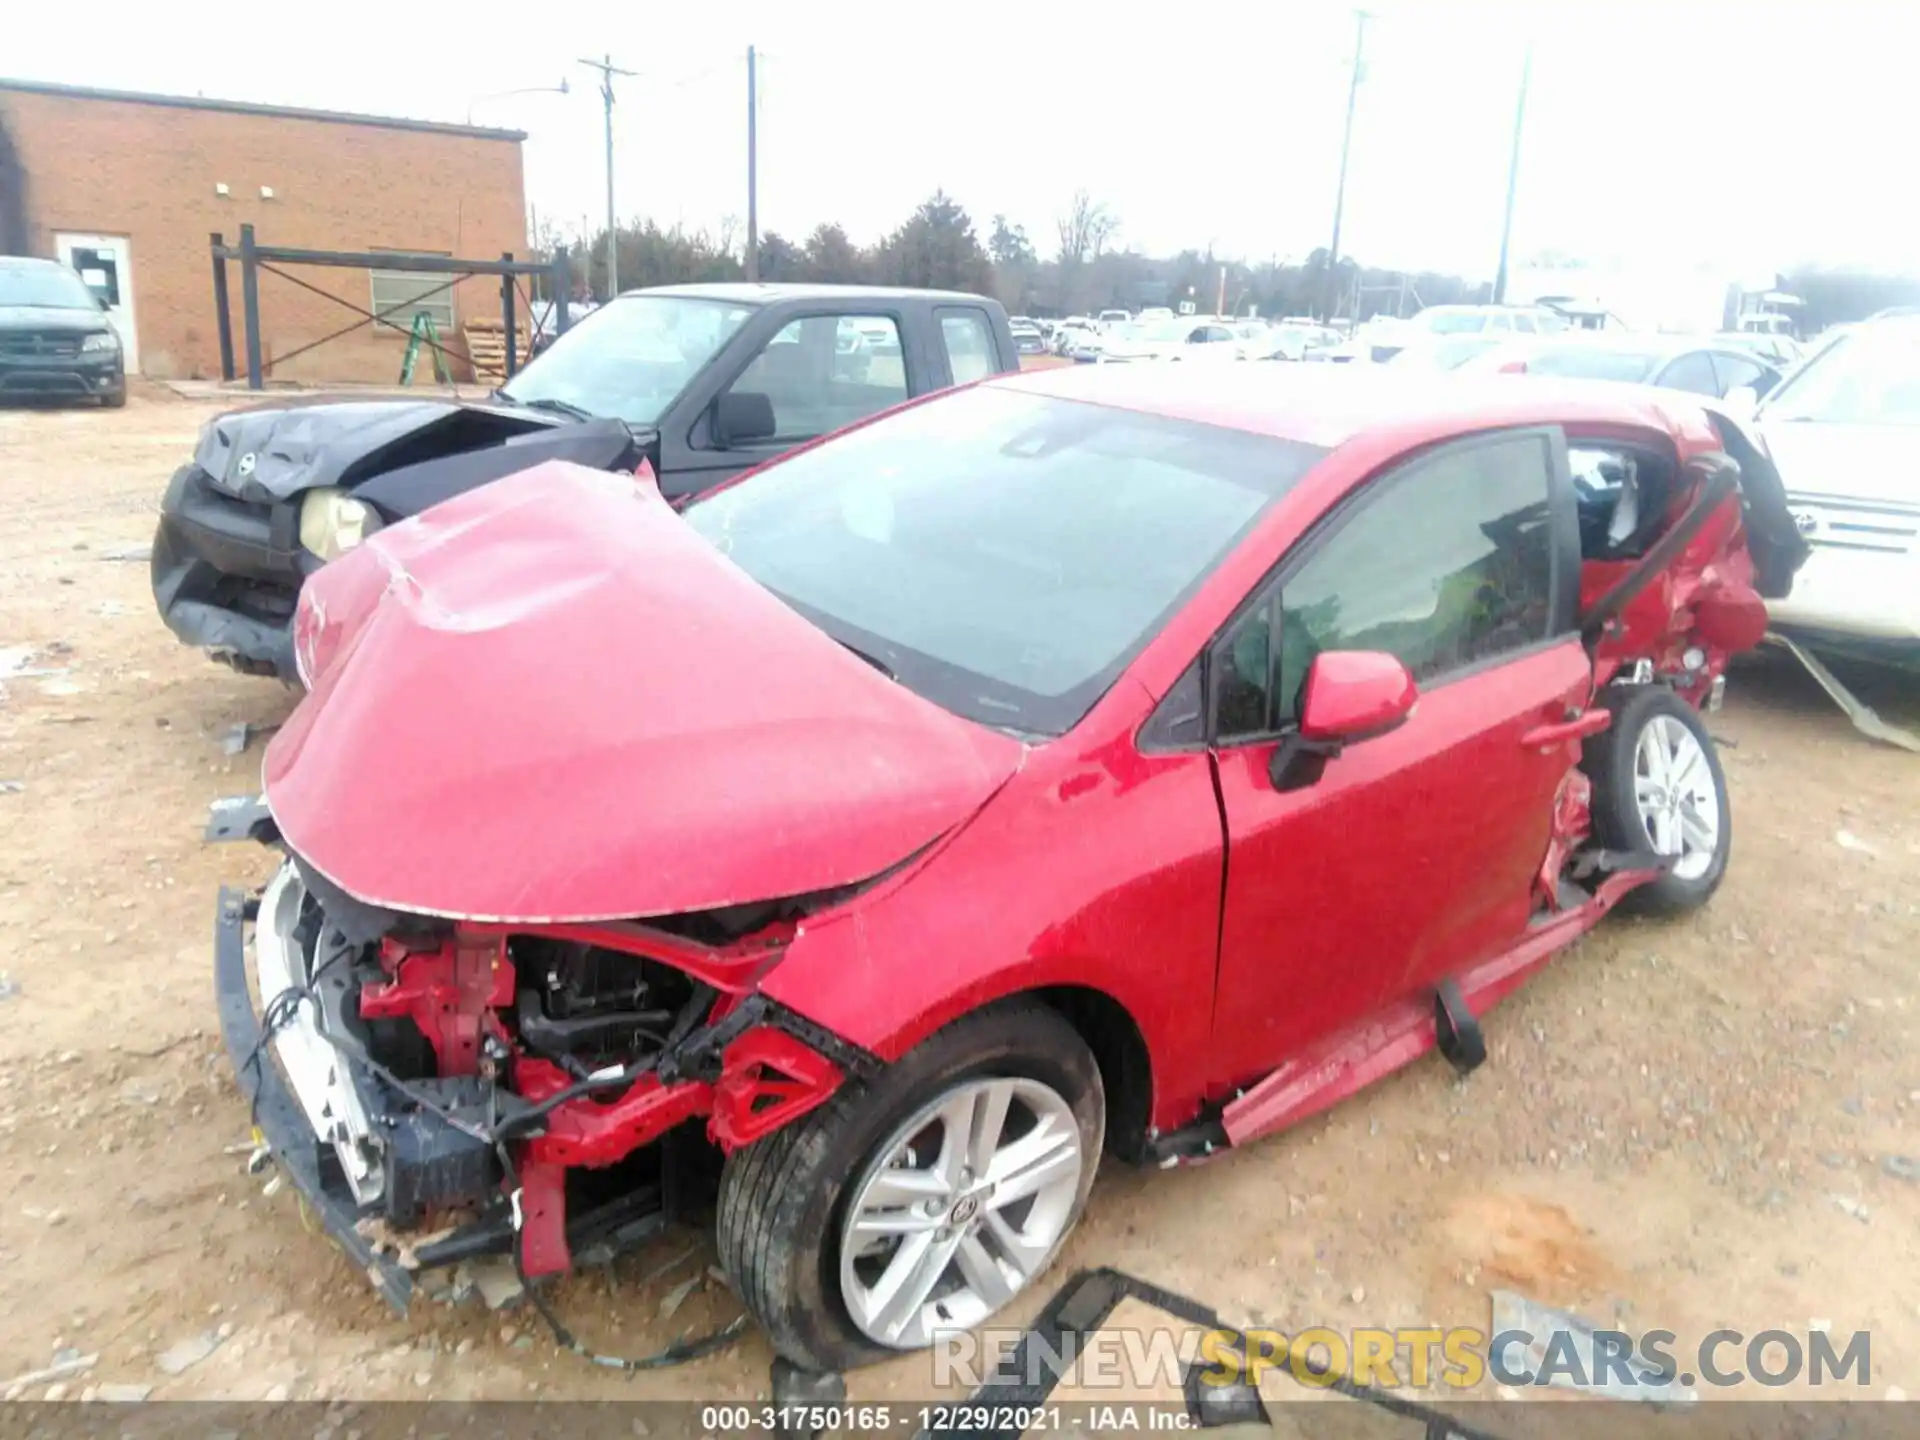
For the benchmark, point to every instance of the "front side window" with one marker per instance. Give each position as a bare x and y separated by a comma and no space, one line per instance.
631,357
1445,565
825,371
1003,554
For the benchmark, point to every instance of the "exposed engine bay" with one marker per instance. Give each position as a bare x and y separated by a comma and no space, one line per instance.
476,1091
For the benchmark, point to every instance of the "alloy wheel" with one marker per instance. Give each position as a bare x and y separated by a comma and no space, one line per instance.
1674,791
964,1204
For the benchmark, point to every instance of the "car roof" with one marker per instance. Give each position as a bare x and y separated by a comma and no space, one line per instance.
30,262
741,292
1327,405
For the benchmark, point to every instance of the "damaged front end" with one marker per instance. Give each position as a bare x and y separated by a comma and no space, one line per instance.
439,1091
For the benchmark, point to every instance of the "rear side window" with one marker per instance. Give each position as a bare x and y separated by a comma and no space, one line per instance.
969,341
1445,565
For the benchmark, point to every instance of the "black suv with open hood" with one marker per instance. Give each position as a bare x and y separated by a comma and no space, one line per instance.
699,381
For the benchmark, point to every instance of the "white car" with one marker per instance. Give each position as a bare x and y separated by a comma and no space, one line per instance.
1184,337
1844,431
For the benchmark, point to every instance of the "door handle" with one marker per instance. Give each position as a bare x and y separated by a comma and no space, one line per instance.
1588,722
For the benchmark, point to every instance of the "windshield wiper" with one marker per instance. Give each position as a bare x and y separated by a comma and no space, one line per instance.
553,407
871,659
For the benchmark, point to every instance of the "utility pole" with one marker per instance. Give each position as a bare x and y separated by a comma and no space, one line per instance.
608,70
1360,18
1513,177
753,170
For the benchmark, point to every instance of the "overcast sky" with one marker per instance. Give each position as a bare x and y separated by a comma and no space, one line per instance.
1747,136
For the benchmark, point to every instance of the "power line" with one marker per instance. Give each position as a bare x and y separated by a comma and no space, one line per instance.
1360,18
608,70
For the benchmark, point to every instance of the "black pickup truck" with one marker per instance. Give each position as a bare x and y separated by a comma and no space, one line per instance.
701,381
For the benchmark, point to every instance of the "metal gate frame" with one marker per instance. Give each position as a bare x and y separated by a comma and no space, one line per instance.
255,257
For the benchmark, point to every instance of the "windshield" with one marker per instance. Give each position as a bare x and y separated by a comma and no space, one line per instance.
52,287
1869,376
1003,554
632,357
1591,362
1451,322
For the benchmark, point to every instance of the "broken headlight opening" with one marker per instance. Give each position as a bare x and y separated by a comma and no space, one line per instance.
333,522
453,1091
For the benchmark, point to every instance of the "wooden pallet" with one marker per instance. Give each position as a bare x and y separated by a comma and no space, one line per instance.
487,349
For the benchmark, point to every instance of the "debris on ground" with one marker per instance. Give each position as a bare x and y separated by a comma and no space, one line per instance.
1593,1366
1864,717
127,552
1847,840
241,736
65,1366
122,1394
8,987
12,787
492,1277
1900,1167
671,1302
1850,1206
179,1358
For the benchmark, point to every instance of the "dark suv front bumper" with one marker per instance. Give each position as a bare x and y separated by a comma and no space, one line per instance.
227,573
97,373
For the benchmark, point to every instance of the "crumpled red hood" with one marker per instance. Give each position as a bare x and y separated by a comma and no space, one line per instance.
550,700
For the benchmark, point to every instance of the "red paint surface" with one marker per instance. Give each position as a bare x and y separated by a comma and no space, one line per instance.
548,699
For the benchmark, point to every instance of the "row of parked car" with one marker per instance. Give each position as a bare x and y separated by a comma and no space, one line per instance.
1842,412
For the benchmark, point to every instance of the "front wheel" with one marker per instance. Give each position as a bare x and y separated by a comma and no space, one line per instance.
1658,785
923,1201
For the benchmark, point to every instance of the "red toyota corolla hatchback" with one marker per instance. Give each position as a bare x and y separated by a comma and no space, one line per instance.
1109,760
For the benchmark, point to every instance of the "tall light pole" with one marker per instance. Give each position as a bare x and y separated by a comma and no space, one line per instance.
753,170
608,70
1513,177
560,89
1360,18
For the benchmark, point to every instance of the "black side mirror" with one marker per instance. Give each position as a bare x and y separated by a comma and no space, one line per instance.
741,417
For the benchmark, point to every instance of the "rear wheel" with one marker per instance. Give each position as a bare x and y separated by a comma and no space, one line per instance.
1658,786
924,1201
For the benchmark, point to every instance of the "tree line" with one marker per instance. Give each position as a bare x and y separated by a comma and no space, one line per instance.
1084,267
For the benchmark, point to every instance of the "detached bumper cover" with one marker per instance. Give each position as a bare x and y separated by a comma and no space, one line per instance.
277,1114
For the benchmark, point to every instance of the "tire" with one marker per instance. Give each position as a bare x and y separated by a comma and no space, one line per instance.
1648,715
115,399
785,1199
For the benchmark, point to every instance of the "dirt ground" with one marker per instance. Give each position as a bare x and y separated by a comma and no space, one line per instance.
1686,1125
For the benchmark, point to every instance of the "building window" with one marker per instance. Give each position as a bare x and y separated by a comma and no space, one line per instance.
407,293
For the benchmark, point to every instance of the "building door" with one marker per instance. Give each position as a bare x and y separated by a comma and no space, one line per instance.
105,262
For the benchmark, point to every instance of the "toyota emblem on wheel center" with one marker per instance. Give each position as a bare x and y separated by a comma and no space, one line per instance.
246,464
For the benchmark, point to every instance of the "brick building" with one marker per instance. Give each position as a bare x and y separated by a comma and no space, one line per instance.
127,187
